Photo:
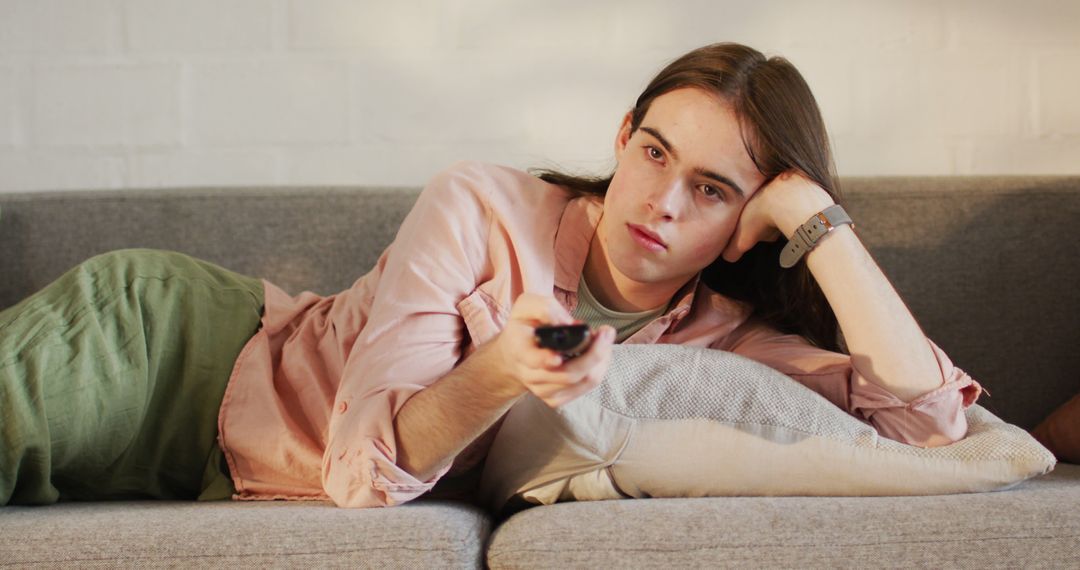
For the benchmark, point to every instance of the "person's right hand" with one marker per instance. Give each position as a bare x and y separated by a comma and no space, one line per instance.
517,364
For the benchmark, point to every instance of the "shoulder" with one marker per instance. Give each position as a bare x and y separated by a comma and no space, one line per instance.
491,179
510,195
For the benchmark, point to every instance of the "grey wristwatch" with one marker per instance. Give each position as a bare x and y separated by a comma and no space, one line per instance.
807,235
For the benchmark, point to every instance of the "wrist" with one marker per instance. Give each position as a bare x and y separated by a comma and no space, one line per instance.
798,207
489,367
798,214
807,236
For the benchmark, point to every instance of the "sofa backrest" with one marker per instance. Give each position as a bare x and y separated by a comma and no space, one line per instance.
988,265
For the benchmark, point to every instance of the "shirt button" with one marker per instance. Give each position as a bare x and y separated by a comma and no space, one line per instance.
342,407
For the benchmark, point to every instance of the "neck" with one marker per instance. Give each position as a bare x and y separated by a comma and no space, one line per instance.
617,292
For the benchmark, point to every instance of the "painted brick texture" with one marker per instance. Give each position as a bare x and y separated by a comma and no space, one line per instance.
156,93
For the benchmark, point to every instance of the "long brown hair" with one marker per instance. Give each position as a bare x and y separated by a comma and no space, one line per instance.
782,130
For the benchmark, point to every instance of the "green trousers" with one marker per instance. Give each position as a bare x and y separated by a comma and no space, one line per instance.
111,378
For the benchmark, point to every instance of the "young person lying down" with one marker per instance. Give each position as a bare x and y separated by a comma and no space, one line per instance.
151,374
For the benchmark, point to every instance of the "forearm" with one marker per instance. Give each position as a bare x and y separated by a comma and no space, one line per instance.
437,423
886,343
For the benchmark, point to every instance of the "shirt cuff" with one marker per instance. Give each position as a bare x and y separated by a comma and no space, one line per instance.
933,419
369,478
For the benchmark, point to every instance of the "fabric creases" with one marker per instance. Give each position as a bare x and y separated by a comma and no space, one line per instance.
112,377
386,484
932,419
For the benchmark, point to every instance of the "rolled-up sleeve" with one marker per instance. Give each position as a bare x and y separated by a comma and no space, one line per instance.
414,336
932,419
929,420
366,475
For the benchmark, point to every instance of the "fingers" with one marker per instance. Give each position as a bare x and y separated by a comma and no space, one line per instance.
742,242
544,372
534,310
577,376
731,252
529,311
572,370
755,224
598,351
535,358
521,339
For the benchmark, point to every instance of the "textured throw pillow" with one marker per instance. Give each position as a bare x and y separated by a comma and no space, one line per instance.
1060,431
674,421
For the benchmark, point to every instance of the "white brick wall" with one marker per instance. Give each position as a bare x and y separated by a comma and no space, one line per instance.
192,26
61,170
1058,105
102,105
401,26
247,104
60,26
152,93
929,94
196,167
1013,23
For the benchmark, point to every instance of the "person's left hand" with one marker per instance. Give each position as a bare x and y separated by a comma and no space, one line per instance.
775,211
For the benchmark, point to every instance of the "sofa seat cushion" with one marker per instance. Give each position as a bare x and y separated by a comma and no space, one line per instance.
1035,524
421,534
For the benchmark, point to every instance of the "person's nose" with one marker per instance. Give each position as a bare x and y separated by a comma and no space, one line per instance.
666,200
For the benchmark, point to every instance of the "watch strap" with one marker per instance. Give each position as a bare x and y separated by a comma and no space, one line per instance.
807,235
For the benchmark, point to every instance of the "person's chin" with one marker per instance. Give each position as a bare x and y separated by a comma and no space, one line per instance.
642,271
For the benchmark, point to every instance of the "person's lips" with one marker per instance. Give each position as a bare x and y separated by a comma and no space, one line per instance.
646,238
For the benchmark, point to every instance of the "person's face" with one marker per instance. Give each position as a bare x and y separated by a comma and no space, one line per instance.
676,181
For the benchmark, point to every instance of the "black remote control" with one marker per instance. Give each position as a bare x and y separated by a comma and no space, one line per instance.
568,340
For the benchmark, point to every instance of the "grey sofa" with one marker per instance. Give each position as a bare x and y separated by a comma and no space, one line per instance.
989,267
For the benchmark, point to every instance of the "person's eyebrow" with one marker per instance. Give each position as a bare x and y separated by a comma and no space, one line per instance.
698,170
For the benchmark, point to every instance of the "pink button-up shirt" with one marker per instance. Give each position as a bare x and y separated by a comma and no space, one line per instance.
310,406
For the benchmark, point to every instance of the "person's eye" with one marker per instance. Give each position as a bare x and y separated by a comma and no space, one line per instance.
712,192
654,153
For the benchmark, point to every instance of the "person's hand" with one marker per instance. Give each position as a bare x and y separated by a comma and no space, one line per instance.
775,212
515,361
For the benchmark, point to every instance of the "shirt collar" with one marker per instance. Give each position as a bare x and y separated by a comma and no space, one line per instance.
684,298
576,229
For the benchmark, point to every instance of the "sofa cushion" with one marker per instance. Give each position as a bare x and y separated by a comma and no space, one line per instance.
677,421
1035,525
420,534
320,240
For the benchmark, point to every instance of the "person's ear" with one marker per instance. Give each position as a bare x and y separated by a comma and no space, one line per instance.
622,138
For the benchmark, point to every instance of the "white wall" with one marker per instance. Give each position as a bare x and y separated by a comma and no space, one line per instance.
133,93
